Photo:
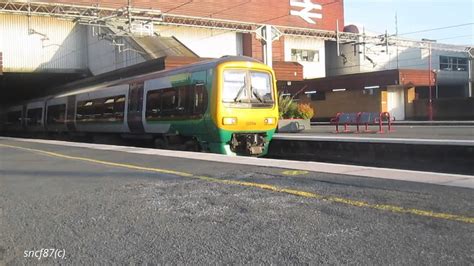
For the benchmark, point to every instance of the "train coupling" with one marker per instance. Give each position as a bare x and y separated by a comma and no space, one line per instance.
248,143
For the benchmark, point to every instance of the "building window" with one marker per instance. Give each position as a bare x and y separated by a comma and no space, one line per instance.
299,55
449,63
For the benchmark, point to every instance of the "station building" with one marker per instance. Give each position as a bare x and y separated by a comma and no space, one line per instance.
48,43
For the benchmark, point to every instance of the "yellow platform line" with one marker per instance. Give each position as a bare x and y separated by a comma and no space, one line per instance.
299,193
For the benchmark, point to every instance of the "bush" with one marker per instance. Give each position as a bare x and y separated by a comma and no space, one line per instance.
288,108
284,105
305,111
292,111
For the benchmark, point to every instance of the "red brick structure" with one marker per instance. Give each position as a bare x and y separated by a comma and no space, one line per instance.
273,12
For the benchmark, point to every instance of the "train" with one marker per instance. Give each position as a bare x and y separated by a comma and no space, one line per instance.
226,106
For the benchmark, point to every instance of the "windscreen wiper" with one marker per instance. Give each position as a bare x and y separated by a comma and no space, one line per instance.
258,96
240,92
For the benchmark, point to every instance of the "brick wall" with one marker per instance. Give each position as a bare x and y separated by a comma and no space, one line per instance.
253,47
274,12
347,101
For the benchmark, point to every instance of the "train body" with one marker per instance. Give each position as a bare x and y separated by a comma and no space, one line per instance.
226,106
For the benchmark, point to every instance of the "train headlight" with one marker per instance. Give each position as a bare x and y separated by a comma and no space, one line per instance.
270,121
229,120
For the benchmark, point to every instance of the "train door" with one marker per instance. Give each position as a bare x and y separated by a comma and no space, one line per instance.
71,112
135,107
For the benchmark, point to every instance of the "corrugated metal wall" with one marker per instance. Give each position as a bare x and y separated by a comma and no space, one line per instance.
42,44
104,57
205,42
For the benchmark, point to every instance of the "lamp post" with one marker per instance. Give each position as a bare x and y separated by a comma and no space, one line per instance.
430,100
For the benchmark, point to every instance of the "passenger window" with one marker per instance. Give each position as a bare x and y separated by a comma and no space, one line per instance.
200,99
153,104
98,109
34,116
56,114
169,101
84,110
14,118
119,107
179,102
109,109
182,106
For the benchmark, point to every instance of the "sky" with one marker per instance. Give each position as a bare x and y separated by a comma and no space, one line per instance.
415,15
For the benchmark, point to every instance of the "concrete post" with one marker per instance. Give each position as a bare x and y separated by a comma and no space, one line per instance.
469,70
268,47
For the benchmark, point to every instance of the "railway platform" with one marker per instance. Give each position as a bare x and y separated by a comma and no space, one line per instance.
107,204
440,148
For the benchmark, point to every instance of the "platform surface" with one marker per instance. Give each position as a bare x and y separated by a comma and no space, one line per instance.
416,134
111,204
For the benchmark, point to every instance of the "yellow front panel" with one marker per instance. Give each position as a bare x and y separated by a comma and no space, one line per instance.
248,119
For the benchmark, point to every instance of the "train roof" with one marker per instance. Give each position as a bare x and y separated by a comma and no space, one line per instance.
206,64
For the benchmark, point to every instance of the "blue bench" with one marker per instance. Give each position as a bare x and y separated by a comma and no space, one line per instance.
362,118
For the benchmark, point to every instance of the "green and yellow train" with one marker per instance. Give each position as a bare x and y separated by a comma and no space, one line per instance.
226,106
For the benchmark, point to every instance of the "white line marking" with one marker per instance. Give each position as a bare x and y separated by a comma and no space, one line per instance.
330,168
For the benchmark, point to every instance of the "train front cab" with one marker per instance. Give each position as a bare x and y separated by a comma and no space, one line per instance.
246,108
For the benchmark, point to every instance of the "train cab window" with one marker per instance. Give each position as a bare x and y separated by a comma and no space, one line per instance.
14,118
34,117
261,87
56,114
235,85
247,89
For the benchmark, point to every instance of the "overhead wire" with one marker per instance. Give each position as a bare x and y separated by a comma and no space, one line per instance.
435,29
138,56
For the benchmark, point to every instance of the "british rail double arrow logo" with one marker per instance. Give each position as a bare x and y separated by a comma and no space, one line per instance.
306,13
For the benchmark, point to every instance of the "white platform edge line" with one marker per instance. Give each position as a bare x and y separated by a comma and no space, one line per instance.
330,168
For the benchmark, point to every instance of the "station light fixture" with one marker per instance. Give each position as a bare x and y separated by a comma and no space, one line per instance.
372,87
338,90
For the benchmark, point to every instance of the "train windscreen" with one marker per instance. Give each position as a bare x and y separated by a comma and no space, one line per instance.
244,86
